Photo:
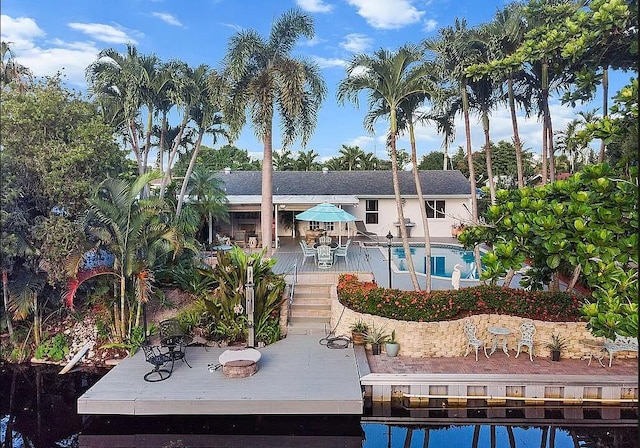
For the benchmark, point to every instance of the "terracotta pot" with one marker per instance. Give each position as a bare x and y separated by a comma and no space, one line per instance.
357,338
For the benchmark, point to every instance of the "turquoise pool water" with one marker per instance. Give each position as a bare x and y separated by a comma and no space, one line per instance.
443,259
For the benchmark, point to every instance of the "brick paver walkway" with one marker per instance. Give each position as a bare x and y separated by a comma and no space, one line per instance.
499,363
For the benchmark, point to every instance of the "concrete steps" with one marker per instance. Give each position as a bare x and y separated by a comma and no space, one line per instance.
311,309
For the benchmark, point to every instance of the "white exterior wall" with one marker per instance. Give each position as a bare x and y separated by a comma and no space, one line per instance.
455,212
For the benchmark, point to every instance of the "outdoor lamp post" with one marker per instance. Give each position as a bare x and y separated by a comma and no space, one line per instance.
250,307
389,238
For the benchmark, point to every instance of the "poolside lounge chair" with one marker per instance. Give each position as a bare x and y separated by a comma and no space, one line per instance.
362,230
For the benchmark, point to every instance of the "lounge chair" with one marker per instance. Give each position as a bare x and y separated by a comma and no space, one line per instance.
361,229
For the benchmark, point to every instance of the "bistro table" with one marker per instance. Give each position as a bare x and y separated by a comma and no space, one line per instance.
496,334
333,245
179,342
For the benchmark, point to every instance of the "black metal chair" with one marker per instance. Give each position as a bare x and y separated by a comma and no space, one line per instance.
162,363
173,338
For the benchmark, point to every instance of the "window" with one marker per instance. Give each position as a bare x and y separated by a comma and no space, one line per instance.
317,225
371,215
435,209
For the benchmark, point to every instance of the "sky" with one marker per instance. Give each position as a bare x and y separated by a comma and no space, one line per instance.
50,36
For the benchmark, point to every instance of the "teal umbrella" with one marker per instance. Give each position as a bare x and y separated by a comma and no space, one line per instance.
326,212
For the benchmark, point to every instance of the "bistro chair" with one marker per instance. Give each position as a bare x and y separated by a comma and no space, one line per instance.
527,330
307,251
472,341
162,363
173,338
325,240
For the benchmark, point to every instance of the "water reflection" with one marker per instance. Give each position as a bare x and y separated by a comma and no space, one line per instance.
38,409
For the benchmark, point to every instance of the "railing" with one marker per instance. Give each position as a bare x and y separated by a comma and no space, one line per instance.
294,279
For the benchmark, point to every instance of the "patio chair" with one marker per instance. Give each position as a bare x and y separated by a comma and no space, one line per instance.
325,240
240,238
342,251
307,251
173,338
325,257
162,363
527,330
472,341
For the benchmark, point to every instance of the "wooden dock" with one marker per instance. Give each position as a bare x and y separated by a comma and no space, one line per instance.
296,376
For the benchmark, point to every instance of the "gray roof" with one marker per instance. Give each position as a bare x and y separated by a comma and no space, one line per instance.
356,183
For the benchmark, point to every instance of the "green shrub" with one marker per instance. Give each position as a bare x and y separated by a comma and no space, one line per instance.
54,349
367,297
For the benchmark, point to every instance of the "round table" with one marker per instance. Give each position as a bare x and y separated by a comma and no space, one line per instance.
496,334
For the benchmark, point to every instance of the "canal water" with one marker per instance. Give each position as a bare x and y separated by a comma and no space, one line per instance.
38,410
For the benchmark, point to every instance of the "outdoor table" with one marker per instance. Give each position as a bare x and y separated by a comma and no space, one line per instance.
496,334
176,341
333,245
222,248
596,350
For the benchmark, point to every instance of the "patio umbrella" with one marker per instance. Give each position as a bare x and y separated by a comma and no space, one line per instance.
326,212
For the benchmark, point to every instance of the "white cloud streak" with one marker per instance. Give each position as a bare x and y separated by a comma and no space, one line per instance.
314,6
329,62
356,43
167,18
104,33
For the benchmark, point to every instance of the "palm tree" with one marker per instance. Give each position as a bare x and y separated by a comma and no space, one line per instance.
134,232
264,77
283,160
11,70
307,160
208,192
351,157
205,112
391,78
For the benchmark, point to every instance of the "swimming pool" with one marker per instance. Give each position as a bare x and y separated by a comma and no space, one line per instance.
444,258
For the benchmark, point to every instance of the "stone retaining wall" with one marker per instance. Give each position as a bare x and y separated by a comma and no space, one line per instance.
447,339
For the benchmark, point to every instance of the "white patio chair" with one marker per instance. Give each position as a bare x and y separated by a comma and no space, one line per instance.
527,330
472,341
324,257
307,251
342,251
325,240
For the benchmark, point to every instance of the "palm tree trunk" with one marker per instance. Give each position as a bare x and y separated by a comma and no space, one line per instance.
266,208
135,146
516,134
545,95
37,331
172,155
472,174
210,228
123,309
487,153
552,157
605,108
423,208
396,189
185,181
147,144
5,297
163,133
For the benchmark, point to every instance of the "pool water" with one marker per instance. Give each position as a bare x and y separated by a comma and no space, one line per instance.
443,260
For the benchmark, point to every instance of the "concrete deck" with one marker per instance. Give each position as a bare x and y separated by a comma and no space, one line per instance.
296,376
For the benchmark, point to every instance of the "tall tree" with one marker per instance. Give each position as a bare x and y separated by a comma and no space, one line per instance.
391,78
208,193
265,77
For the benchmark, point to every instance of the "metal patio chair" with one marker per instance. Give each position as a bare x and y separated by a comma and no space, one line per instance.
307,251
162,363
472,341
342,251
173,338
527,330
325,257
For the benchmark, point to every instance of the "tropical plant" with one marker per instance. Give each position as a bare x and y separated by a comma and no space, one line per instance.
227,304
556,343
376,335
264,77
136,232
206,189
359,326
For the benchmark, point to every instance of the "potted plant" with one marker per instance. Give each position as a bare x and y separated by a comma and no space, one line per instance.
392,346
556,345
358,332
376,337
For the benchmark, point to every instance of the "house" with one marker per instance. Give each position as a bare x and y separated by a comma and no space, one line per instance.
368,195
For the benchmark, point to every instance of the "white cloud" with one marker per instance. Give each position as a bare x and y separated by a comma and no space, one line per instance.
167,18
314,5
312,42
71,59
430,25
364,142
329,62
356,43
387,14
233,26
104,33
19,32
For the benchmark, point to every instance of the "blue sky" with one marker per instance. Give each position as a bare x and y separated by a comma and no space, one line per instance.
49,36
